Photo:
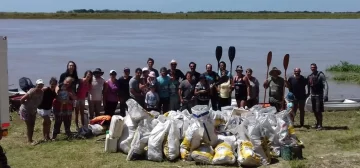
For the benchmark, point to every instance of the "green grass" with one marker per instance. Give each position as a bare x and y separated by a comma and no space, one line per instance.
16,15
335,147
345,72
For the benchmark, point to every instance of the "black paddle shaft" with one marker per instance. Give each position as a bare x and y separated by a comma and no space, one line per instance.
218,54
231,53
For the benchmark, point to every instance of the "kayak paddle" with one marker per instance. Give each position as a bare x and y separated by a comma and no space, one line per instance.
286,64
218,54
231,57
268,62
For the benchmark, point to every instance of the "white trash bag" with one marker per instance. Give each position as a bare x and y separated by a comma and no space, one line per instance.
172,141
140,140
135,111
156,139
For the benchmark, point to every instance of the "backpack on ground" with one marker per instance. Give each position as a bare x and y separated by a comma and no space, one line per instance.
25,84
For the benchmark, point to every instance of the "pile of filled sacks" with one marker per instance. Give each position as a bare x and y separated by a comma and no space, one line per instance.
247,137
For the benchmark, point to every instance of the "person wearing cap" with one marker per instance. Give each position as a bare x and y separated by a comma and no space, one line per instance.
194,74
318,92
28,109
178,73
276,85
110,97
212,77
297,86
123,90
150,63
254,89
202,91
152,99
164,91
45,107
85,84
63,107
134,88
96,93
174,94
186,93
241,85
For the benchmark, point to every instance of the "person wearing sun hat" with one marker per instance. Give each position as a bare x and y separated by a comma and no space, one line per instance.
276,84
96,93
178,73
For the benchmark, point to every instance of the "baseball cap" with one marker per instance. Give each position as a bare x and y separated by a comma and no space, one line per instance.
145,69
39,82
239,68
126,69
173,62
113,72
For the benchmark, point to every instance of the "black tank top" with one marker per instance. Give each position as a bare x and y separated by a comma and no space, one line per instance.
48,98
240,86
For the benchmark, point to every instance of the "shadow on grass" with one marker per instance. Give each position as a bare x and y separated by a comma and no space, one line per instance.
336,128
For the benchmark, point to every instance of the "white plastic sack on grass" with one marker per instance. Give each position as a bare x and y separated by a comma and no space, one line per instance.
259,142
172,141
140,139
96,129
204,154
116,126
156,139
135,111
191,141
127,136
202,114
246,155
224,154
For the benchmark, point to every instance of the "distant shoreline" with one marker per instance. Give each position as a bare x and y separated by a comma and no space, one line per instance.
252,15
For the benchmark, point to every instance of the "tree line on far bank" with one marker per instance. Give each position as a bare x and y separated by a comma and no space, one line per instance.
145,11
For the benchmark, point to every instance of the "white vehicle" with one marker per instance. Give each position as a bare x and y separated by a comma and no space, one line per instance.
4,91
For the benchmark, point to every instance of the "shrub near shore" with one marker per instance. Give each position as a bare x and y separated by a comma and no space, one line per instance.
345,72
116,14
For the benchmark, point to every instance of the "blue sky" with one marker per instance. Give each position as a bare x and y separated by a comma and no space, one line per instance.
180,5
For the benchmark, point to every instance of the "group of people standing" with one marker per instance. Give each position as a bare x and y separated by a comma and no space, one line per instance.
169,89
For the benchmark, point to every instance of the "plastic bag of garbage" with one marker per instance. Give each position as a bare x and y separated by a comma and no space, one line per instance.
259,142
204,154
224,153
127,136
156,139
172,141
140,139
96,129
202,114
192,140
135,111
246,154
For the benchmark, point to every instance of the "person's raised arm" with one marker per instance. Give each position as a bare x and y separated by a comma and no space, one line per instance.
266,83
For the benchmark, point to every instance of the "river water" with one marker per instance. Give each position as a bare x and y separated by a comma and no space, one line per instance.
42,48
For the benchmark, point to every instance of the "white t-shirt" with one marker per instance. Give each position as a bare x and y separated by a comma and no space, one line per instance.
96,90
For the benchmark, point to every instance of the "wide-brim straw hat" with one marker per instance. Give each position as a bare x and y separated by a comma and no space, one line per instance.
274,70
